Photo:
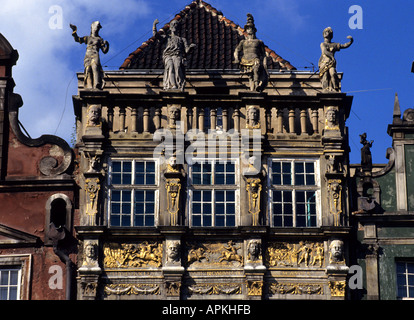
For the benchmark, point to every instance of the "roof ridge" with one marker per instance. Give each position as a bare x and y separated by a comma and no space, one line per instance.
209,8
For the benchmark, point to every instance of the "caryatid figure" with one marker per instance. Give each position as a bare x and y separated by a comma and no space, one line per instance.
251,55
174,57
327,62
93,78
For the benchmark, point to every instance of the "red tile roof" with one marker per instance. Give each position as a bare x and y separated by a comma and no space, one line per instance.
216,38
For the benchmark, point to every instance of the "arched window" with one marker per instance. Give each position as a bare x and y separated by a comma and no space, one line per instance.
58,211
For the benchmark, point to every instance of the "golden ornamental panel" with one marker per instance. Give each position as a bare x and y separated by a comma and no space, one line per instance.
296,288
303,254
215,288
214,254
127,255
132,289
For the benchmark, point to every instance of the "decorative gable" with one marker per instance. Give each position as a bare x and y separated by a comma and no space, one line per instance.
216,38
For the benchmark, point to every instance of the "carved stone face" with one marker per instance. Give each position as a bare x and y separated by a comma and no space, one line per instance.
336,250
331,116
328,33
253,116
173,251
254,249
90,250
94,115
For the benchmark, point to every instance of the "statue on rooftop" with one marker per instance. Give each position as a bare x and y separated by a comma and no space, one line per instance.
174,57
327,62
251,55
93,78
366,156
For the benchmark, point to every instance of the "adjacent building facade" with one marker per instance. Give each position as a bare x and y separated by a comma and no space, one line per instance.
230,182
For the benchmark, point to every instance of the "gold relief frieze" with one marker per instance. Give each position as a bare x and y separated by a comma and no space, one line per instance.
127,255
132,289
302,254
296,288
214,254
337,288
254,288
215,288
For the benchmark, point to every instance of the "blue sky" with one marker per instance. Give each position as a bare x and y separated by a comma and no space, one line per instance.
375,67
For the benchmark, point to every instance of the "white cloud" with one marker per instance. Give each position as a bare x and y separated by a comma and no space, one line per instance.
49,58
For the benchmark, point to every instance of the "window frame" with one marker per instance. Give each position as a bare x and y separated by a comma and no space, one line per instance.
294,189
213,187
406,283
133,188
23,263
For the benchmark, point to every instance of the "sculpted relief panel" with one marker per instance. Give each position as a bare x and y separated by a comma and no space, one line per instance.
214,254
302,254
126,255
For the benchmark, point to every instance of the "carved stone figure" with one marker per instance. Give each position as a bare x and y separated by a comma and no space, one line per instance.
327,62
254,188
253,118
230,253
336,249
94,115
92,187
335,200
366,156
173,187
174,57
251,55
93,68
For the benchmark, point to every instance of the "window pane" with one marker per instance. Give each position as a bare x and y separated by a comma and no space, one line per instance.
125,220
150,166
219,195
207,221
231,221
230,195
13,293
299,167
196,178
196,195
402,291
207,178
287,179
116,178
197,221
310,167
3,293
400,267
220,179
115,220
299,179
116,166
14,277
139,178
4,277
139,220
220,221
286,167
276,167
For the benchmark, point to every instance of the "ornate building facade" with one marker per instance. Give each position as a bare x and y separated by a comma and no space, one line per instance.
208,167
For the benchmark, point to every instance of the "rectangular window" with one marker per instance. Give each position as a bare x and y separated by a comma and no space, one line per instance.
213,193
132,193
9,283
405,280
293,193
